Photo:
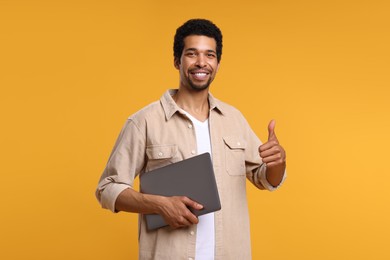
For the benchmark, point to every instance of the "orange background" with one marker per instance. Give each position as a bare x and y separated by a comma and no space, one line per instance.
72,71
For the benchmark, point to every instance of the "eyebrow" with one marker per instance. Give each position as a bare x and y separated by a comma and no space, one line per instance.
194,49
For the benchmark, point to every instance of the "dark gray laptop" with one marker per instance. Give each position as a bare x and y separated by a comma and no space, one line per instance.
193,177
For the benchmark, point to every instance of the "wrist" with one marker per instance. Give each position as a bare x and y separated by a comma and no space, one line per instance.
274,175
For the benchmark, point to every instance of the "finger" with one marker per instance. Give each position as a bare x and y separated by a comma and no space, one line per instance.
271,129
191,218
191,203
268,145
273,158
273,150
275,164
186,218
181,222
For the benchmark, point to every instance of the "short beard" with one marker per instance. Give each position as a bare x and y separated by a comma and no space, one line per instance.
200,88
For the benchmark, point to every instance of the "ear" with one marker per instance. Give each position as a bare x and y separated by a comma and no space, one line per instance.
219,63
176,63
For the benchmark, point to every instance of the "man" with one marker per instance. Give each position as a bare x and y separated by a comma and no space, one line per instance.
186,122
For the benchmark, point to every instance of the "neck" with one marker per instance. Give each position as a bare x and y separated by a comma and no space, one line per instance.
194,102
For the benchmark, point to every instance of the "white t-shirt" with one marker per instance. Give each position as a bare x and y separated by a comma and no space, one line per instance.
205,233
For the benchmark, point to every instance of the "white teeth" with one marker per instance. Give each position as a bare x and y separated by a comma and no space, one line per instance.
200,74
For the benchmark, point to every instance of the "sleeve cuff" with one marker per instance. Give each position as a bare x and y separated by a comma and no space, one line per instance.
110,194
262,178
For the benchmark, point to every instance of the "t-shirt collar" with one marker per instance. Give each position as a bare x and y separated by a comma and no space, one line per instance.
170,107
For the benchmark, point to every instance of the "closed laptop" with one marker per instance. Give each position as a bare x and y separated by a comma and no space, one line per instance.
193,177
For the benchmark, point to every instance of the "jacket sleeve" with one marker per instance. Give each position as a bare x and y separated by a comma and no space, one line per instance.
125,163
255,168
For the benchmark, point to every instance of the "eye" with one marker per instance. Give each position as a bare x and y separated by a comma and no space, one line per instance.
191,54
211,55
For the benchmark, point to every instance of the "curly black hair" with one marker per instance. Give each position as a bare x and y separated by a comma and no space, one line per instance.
196,27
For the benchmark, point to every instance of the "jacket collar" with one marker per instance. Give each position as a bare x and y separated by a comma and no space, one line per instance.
170,107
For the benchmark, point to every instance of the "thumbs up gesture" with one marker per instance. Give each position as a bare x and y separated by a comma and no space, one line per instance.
272,153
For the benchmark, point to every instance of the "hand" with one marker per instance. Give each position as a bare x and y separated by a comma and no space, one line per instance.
271,152
175,211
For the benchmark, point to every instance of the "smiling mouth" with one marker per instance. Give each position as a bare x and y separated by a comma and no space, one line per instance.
199,75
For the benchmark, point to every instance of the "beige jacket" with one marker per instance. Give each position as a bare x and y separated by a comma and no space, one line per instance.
161,134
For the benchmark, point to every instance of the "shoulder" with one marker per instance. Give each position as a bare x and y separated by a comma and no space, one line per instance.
152,110
228,110
232,116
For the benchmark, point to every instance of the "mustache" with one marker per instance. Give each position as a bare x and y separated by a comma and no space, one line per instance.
200,70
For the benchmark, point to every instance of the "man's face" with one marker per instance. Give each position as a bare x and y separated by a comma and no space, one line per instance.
198,63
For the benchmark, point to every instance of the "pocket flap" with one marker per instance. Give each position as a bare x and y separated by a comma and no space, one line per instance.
161,151
234,142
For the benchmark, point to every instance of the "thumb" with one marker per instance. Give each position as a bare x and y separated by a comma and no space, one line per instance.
271,130
193,204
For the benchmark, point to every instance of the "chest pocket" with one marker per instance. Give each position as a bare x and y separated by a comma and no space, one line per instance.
235,155
161,155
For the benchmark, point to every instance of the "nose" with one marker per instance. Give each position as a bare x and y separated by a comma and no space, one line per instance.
200,61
